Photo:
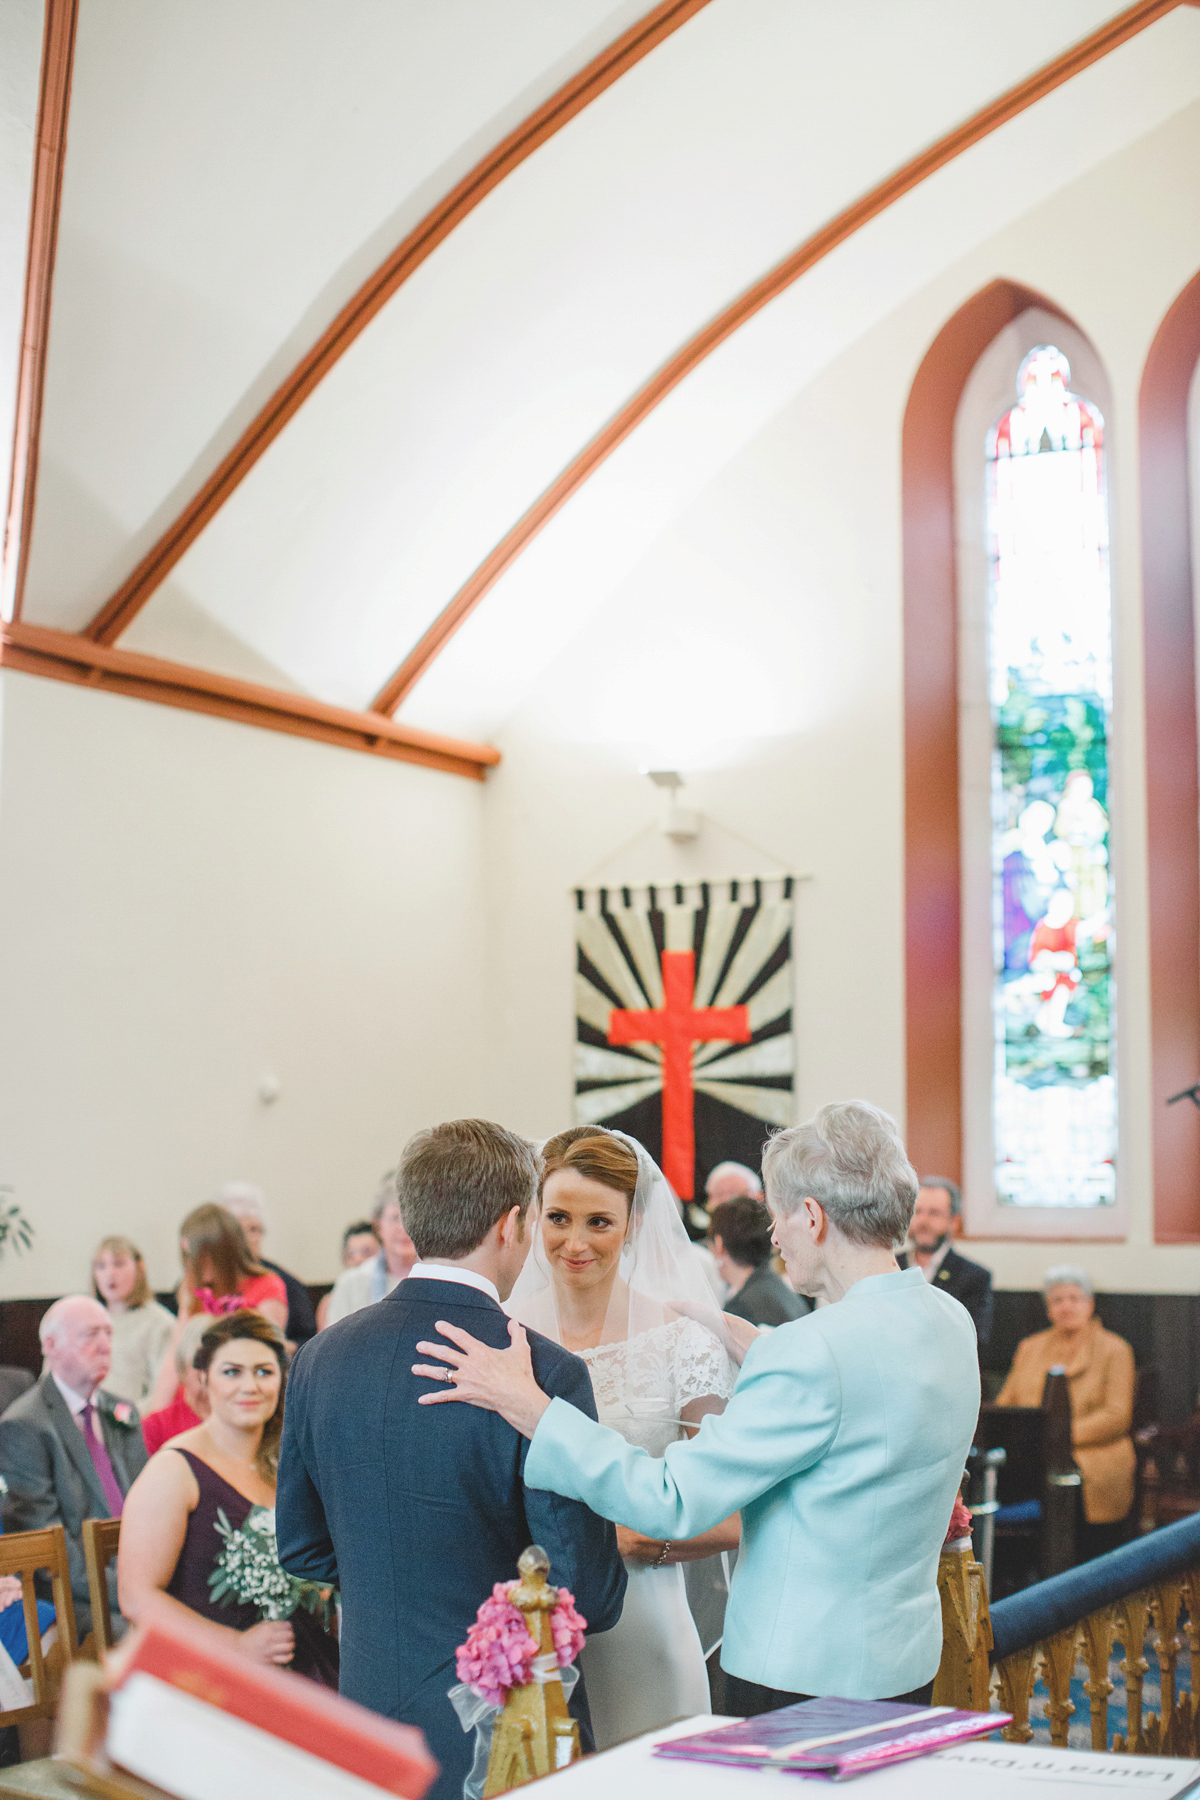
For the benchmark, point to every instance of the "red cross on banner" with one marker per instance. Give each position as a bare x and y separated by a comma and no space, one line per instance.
678,1025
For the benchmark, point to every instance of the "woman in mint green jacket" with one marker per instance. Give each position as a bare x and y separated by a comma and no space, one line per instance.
843,1446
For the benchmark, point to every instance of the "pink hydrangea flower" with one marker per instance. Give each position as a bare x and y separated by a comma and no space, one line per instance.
960,1522
568,1627
499,1651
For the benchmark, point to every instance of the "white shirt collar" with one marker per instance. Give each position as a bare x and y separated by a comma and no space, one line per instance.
75,1401
424,1271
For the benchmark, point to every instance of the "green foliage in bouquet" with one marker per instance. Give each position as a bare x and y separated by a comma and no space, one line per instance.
248,1572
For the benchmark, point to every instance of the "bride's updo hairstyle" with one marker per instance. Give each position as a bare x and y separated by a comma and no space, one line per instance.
595,1155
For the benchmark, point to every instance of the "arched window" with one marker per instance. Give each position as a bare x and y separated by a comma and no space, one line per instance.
964,386
1054,1110
1170,520
1035,681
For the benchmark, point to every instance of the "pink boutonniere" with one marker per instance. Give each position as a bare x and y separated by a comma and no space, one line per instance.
122,1412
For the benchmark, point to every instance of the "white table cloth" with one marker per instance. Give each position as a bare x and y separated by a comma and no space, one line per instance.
982,1771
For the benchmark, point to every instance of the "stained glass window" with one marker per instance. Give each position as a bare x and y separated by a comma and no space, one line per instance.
1050,673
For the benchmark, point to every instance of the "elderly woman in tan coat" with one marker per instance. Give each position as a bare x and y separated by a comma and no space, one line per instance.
1099,1368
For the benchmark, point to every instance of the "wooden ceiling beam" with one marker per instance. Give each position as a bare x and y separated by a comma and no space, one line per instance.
119,611
50,144
989,118
65,656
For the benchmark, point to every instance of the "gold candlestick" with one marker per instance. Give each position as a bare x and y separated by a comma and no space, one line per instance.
534,1733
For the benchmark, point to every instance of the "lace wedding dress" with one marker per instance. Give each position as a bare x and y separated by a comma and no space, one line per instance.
649,1669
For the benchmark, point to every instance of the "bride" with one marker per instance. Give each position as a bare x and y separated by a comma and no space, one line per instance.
612,1276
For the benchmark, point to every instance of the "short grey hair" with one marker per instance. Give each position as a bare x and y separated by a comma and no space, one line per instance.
1068,1275
244,1200
386,1194
57,1313
850,1157
754,1186
951,1189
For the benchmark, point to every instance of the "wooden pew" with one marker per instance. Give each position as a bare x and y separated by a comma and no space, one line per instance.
1038,1486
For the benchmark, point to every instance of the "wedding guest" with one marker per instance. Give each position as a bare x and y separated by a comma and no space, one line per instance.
219,1275
937,1216
248,1206
359,1245
213,1480
741,1245
70,1450
220,1271
370,1281
843,1445
190,1403
728,1181
731,1181
1100,1377
141,1328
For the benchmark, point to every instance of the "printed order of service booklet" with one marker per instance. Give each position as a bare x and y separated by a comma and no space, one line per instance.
834,1738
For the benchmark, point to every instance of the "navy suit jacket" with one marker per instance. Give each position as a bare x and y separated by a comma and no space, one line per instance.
416,1511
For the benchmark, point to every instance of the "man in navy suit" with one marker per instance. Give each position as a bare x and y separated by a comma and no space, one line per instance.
415,1522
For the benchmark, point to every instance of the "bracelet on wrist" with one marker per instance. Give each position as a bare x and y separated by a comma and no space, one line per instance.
663,1554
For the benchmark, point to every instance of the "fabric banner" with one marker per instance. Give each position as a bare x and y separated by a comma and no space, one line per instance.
684,1019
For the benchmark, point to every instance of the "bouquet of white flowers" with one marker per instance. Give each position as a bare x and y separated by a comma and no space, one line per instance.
248,1572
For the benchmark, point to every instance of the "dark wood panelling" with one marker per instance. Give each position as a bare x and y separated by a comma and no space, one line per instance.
1164,1330
19,1321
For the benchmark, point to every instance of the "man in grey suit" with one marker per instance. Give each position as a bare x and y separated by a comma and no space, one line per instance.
69,1450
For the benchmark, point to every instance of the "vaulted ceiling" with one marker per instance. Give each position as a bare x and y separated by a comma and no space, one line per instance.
553,199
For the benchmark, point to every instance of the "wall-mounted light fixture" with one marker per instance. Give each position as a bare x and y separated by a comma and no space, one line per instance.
679,823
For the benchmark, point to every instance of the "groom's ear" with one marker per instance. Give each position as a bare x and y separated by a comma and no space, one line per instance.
512,1227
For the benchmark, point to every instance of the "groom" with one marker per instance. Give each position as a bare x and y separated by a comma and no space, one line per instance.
414,1523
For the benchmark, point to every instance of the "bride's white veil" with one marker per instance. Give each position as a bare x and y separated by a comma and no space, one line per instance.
660,1279
660,1276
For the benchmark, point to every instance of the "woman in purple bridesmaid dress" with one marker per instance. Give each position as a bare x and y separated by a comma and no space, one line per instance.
199,1522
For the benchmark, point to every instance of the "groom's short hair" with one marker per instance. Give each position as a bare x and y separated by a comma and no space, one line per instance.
851,1158
455,1181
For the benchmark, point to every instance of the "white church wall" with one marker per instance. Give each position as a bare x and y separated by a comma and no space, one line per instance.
758,649
188,905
